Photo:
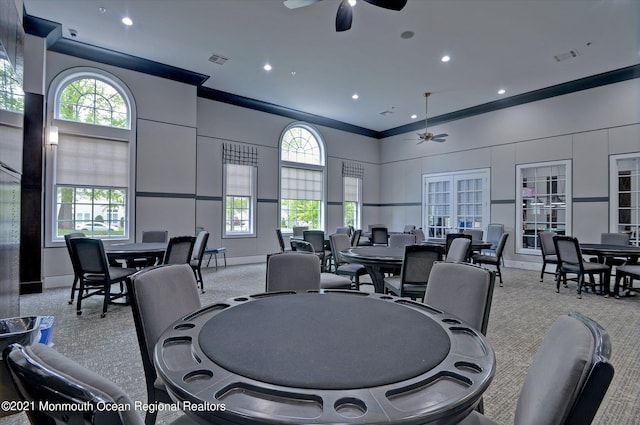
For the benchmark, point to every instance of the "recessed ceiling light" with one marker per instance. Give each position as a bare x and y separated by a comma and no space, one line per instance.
102,9
267,67
414,116
355,96
502,91
405,35
127,21
446,58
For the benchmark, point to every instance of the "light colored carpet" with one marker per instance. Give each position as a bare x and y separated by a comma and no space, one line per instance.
522,311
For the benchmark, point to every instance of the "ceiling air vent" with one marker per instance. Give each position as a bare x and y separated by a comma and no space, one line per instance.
387,112
218,59
567,55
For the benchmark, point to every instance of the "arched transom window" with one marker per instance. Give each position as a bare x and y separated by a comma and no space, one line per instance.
93,101
302,171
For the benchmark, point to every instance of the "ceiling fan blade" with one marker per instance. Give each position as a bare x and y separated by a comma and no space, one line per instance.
440,136
438,140
295,4
388,4
344,16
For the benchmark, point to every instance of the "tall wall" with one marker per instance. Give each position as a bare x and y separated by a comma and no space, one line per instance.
585,127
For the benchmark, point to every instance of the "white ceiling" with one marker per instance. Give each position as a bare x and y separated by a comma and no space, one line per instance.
493,44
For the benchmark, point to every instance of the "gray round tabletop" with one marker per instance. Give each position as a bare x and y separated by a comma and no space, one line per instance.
328,357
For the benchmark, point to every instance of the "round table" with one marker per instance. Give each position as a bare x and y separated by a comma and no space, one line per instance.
130,251
324,357
376,259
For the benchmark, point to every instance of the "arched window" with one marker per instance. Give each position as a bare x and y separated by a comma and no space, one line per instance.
92,114
92,100
302,170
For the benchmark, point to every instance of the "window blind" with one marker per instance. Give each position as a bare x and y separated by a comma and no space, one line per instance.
239,154
238,180
351,189
352,169
87,161
299,183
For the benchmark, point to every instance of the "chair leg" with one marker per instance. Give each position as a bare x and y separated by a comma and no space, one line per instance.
79,303
558,279
544,265
107,295
580,279
499,273
150,417
73,288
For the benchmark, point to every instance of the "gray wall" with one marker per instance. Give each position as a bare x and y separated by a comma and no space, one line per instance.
586,127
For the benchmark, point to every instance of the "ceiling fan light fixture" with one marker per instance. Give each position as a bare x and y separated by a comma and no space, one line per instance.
352,2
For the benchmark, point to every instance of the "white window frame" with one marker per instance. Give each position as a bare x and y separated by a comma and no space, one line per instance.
304,166
358,202
521,198
451,200
94,131
251,227
614,192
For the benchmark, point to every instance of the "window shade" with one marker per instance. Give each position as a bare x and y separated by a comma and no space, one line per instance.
86,161
301,184
238,180
351,189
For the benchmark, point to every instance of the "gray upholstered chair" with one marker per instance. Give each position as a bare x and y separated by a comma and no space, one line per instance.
459,251
339,243
95,275
159,296
355,237
449,237
289,271
281,244
298,230
416,267
158,236
344,230
179,250
476,234
42,374
419,235
199,247
570,261
462,289
316,239
626,273
567,379
409,228
399,240
548,250
494,231
493,260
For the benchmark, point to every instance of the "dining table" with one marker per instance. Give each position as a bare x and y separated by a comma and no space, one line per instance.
129,251
377,260
477,245
323,357
605,252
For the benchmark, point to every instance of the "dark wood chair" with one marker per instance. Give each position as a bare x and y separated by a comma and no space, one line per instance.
570,261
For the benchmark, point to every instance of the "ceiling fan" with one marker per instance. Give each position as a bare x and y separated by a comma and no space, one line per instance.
426,136
345,14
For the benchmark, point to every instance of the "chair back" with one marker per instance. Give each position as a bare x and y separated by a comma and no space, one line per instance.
289,271
343,229
159,296
355,237
462,289
476,234
301,246
43,375
315,238
409,228
419,235
615,238
339,242
155,236
398,240
459,251
569,375
72,256
494,231
298,230
280,240
547,246
199,246
90,256
568,250
501,244
179,250
379,235
450,237
417,263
